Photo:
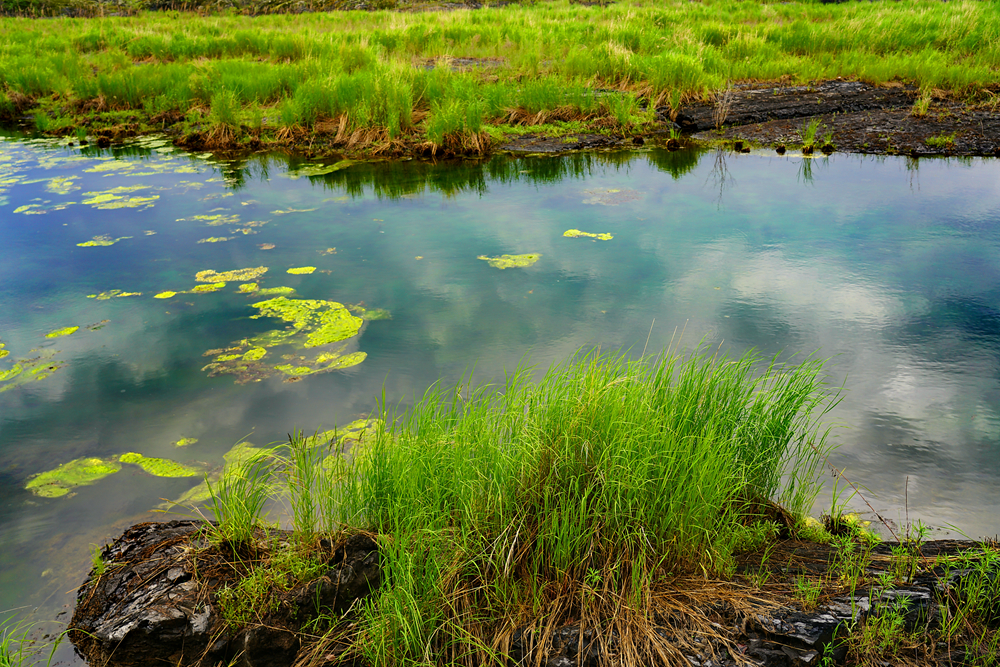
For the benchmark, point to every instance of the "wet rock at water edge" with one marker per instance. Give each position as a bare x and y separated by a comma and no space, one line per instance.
155,601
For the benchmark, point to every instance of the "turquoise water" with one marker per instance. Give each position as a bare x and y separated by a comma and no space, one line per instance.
888,267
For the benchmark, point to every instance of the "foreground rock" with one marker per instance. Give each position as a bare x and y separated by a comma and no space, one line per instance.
155,602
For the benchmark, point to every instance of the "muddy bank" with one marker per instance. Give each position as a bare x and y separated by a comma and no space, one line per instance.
156,600
854,117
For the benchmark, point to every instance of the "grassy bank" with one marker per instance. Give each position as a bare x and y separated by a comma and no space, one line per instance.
389,81
582,497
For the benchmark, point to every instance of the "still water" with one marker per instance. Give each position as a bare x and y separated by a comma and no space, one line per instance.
888,267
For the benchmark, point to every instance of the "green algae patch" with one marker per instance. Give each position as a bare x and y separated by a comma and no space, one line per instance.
322,364
249,288
184,442
29,370
292,210
62,185
511,261
370,314
3,352
65,331
216,220
302,270
322,321
112,294
68,476
234,276
103,240
276,291
165,295
312,324
204,289
216,239
254,354
159,467
576,234
235,457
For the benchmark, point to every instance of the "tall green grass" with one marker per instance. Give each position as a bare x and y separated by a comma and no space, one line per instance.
372,67
575,496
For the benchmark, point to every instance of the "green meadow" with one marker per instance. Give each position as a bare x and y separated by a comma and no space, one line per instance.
388,81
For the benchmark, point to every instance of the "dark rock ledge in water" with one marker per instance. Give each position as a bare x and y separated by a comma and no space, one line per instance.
155,603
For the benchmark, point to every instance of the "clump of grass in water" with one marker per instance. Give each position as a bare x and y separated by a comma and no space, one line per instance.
574,498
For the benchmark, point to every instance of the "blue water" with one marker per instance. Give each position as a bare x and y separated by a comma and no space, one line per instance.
888,267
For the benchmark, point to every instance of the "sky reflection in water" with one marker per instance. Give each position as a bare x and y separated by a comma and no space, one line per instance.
890,268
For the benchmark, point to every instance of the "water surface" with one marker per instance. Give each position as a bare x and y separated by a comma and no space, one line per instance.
888,267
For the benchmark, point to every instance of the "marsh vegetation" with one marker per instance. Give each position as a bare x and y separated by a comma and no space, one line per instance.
389,81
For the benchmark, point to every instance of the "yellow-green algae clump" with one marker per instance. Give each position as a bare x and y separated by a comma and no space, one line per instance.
279,291
3,352
234,276
512,261
203,289
65,331
323,321
111,294
184,442
576,233
312,323
159,467
68,476
302,270
29,370
164,295
103,240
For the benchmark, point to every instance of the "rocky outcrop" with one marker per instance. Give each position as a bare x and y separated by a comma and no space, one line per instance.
154,601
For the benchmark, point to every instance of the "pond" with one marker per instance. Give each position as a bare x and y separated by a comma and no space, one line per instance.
888,267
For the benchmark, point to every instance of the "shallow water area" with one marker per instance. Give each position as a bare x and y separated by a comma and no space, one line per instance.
375,278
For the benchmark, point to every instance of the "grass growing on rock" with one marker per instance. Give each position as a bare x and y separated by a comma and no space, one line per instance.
579,497
382,81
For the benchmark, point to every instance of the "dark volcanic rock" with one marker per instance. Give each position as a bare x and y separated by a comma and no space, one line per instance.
155,601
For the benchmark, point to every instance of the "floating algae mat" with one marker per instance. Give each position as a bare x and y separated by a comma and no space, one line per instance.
312,323
68,476
511,261
576,234
159,467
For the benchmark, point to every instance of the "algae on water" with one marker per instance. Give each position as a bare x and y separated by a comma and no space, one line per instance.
312,324
511,261
159,467
235,276
302,270
29,370
184,442
68,476
322,321
65,331
103,240
576,233
112,294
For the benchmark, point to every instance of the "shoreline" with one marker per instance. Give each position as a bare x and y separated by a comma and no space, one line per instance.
850,117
